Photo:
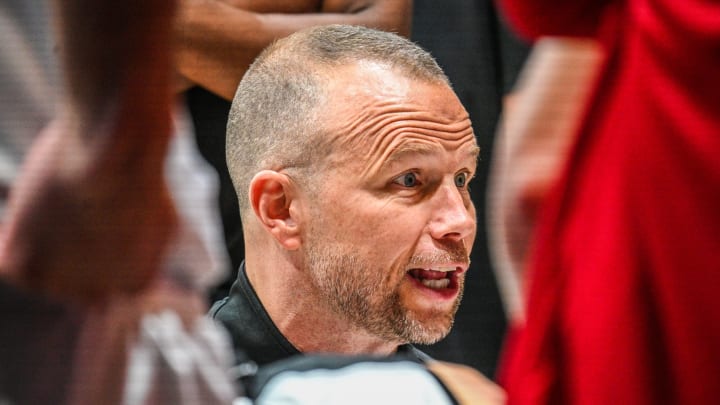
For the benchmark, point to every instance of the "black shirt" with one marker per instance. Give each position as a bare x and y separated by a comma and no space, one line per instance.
254,335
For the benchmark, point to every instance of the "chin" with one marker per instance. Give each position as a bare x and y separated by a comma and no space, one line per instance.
430,338
429,331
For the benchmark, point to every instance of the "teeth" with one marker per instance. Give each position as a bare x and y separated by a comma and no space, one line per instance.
437,284
444,269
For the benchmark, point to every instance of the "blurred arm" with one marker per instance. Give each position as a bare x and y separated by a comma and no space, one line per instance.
90,215
217,41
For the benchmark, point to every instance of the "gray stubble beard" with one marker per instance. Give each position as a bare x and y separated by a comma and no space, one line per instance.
356,291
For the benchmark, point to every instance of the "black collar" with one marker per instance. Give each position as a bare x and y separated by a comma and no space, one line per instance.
254,335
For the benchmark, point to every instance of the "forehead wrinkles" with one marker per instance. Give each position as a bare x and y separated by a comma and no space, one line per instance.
385,148
377,131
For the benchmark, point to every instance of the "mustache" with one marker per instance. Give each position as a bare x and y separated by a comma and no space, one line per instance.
453,253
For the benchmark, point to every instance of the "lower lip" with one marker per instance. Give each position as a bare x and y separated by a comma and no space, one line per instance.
446,293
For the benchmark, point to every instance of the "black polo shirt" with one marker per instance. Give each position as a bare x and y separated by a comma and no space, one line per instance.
255,337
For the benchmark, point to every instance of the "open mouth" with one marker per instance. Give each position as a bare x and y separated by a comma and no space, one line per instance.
436,278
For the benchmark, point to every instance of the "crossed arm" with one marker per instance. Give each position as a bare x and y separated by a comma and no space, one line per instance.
217,40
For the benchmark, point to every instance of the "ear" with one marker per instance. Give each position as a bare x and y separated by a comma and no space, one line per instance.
271,195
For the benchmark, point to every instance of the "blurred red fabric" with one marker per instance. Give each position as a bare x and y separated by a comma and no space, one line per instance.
624,280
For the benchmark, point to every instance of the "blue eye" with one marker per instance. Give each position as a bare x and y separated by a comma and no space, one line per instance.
407,180
461,180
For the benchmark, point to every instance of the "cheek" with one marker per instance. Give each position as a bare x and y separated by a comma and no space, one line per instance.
390,241
383,232
398,228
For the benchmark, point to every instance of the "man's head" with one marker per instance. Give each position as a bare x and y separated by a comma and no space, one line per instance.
351,155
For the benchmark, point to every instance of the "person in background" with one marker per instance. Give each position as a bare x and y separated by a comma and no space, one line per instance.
94,303
622,279
532,146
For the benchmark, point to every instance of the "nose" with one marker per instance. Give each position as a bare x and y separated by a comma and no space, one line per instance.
453,216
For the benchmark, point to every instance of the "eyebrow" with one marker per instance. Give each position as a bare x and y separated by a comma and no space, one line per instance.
474,152
421,149
410,149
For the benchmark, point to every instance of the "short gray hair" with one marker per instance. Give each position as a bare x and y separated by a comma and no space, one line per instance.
275,121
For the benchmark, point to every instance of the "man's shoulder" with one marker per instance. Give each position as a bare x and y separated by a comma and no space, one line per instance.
254,335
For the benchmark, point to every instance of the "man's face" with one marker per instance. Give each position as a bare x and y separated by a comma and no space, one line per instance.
391,224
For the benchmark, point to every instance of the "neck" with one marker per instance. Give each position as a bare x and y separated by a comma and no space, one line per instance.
304,319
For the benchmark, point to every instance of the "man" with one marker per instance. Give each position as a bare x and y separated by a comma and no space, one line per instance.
80,256
351,157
